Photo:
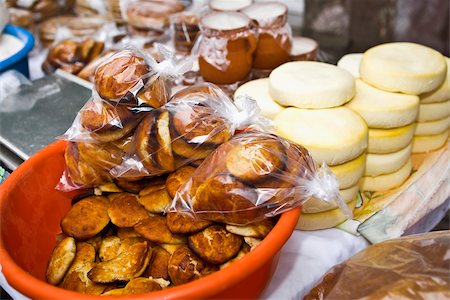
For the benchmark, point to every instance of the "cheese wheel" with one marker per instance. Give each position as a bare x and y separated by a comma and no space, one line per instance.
382,141
381,109
323,220
432,127
427,143
440,94
307,84
259,90
314,205
349,173
387,181
333,135
433,111
351,62
403,67
379,164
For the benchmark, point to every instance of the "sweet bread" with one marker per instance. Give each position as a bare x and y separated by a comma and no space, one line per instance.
191,151
158,265
155,229
184,266
156,94
116,77
257,230
156,200
215,244
60,261
125,210
152,14
185,223
94,213
256,159
107,122
176,179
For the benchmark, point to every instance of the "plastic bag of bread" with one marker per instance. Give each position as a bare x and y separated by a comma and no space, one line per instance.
188,128
412,267
253,176
126,85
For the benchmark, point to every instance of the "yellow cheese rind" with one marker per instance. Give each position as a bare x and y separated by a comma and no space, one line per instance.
433,111
314,205
323,220
427,143
387,181
259,90
349,173
379,164
433,127
440,94
382,141
350,62
381,109
333,135
306,84
403,67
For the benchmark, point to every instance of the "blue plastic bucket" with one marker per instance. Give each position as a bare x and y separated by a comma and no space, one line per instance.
18,61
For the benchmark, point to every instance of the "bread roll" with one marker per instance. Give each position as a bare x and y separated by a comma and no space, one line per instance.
305,84
403,67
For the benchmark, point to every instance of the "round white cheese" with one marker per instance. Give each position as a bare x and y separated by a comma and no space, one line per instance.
433,111
403,67
440,94
432,127
306,84
349,173
379,164
333,135
350,62
387,181
323,220
381,109
259,90
313,205
427,143
383,141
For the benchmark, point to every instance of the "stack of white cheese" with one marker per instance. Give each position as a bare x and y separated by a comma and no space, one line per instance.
391,78
433,122
305,99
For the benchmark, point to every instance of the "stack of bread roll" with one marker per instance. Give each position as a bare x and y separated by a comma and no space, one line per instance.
433,122
392,77
316,119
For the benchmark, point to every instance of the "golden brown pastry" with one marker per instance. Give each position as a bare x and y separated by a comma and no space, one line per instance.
224,199
109,248
152,14
125,211
129,264
155,200
158,265
63,53
60,261
116,77
107,122
155,229
184,266
256,230
127,232
190,151
215,244
256,160
156,94
88,71
94,213
177,179
185,223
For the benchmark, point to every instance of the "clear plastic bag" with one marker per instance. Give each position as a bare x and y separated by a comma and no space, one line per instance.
127,85
253,176
412,267
188,128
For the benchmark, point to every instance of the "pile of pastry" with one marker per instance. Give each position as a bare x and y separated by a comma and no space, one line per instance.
123,244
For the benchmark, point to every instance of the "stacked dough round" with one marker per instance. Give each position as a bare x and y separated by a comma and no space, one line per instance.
306,100
433,121
392,77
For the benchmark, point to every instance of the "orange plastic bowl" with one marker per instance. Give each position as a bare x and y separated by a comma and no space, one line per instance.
30,212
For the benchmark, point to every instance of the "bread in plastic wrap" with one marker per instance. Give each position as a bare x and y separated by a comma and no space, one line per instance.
412,267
